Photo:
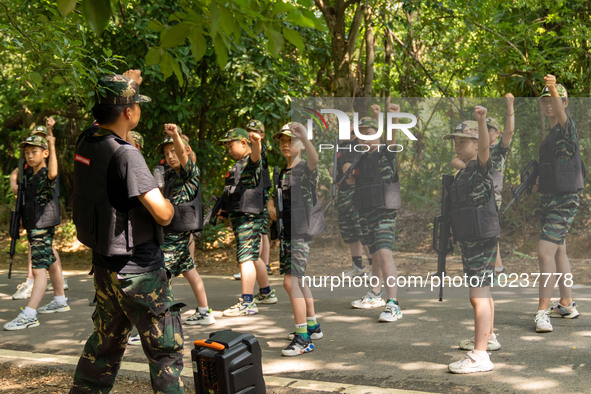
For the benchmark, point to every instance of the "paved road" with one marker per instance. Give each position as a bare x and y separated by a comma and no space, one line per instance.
357,354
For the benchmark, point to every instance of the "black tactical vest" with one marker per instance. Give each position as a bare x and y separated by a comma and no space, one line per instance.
188,216
237,198
99,225
470,222
36,215
300,220
559,177
371,192
265,174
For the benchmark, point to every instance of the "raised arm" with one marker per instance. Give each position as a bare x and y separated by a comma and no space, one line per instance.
483,138
300,132
509,120
255,141
52,160
173,131
557,106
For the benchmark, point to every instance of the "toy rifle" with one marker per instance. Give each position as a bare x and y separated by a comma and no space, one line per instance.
278,199
442,244
528,179
211,209
350,170
16,214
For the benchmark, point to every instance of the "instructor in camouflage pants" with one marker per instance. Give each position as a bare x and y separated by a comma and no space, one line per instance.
117,204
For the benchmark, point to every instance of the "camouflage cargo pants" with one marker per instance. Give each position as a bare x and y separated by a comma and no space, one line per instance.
123,301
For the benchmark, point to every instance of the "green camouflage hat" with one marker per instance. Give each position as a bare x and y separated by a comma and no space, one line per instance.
492,122
235,134
285,130
120,90
34,140
561,91
160,147
368,122
256,126
39,130
468,128
138,138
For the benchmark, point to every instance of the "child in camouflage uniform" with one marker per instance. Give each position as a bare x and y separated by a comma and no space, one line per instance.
181,186
243,179
561,178
41,206
475,225
376,175
24,289
294,254
498,153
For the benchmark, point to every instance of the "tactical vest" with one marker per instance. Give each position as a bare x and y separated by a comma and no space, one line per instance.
497,176
237,198
265,174
559,177
99,225
188,216
371,192
300,220
468,221
36,215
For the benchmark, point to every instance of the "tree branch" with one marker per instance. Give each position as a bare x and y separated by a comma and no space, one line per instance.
523,57
13,23
354,30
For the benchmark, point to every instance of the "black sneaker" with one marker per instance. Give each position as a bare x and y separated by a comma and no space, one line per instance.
298,346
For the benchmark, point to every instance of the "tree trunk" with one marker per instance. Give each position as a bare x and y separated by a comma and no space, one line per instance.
369,53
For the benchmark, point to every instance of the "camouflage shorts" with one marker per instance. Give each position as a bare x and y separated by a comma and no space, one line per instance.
379,229
124,301
177,257
247,229
557,215
478,259
295,257
348,216
41,241
265,229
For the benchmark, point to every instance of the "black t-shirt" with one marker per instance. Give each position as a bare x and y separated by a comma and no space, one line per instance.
128,177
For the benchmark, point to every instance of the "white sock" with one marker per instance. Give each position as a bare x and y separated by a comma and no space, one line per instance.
203,310
30,312
480,354
30,281
61,299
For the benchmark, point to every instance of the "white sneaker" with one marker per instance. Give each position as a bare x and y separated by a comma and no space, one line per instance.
21,322
269,298
492,345
355,271
23,291
53,307
471,364
368,301
542,320
298,346
238,276
391,312
241,308
205,319
567,312
134,340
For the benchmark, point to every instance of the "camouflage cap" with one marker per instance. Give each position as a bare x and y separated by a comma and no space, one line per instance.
492,122
166,141
561,91
120,90
256,126
285,130
468,129
34,140
368,122
138,138
39,130
234,134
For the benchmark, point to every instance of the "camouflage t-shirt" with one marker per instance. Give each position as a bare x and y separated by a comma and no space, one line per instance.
480,182
498,153
45,187
387,164
185,183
